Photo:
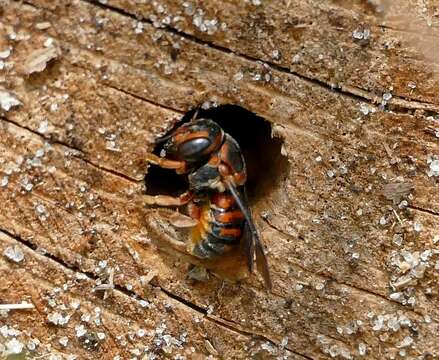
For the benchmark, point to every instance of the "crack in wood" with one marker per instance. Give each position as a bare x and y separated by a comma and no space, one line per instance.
137,298
427,211
237,328
77,153
123,91
352,286
228,324
397,104
420,31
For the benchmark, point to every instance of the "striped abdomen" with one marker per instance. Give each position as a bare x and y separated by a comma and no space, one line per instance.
219,227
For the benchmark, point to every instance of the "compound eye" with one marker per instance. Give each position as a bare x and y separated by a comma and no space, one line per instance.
194,148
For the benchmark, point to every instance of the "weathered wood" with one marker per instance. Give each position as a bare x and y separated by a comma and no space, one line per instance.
332,229
68,306
369,47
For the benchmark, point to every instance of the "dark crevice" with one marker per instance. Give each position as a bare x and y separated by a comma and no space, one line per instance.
262,153
111,171
225,323
28,244
159,181
253,335
46,138
314,81
184,301
76,152
160,105
427,211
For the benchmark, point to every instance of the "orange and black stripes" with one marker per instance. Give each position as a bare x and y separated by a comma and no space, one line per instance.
220,226
216,174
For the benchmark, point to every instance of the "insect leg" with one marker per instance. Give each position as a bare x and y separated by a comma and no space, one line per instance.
194,210
165,200
180,246
179,166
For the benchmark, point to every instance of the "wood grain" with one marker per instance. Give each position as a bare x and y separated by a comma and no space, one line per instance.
355,272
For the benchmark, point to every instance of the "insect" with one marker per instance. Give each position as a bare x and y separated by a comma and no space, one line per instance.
216,199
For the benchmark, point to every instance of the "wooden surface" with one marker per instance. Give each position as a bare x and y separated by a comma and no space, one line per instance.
351,224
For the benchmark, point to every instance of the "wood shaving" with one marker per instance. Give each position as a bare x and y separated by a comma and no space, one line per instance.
38,59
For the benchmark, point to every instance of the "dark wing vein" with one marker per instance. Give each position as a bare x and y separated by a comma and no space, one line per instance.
253,244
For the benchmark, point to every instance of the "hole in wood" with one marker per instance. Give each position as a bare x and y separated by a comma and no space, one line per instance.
262,153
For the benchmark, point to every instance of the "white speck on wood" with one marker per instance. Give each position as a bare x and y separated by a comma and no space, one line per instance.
8,100
14,253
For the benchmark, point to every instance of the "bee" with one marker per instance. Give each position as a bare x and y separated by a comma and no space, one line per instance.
216,199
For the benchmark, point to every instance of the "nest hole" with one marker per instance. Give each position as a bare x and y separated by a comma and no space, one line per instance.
265,164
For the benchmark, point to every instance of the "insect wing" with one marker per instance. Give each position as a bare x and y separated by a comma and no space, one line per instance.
252,242
249,247
262,263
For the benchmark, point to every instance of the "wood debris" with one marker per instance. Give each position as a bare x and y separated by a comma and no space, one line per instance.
22,306
8,100
397,191
38,59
